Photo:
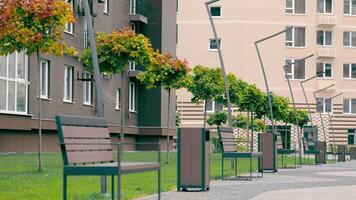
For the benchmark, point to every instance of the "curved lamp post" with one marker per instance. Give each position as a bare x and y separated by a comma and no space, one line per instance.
221,59
293,101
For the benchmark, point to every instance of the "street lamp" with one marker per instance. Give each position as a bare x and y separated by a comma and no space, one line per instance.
331,124
293,101
264,73
321,117
221,59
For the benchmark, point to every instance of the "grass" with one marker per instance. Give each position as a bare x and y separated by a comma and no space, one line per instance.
19,178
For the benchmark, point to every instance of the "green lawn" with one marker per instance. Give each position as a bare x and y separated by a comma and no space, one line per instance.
20,180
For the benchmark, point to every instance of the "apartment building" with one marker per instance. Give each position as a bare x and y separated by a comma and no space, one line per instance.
63,91
325,28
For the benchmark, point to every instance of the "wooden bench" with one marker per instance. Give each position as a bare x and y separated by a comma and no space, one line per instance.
282,150
310,149
229,146
87,151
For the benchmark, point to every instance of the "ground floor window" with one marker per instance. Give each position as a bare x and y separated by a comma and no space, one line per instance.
132,97
13,83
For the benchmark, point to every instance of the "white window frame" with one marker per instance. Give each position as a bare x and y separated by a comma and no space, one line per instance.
324,9
292,42
324,38
46,89
132,66
212,107
324,106
216,6
293,8
16,81
210,40
132,97
86,85
324,67
350,71
350,39
106,6
350,9
69,27
292,75
118,99
350,106
70,98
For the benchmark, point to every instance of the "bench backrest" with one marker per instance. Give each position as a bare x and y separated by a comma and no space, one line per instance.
279,142
227,139
84,140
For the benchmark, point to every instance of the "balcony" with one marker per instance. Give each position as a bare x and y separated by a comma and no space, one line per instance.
326,52
138,11
327,20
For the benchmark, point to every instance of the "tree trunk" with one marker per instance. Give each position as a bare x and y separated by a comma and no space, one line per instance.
39,91
169,109
204,123
122,111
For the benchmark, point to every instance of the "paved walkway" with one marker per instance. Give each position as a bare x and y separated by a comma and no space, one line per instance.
326,182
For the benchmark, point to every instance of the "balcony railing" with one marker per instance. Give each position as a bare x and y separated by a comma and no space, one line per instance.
326,52
327,20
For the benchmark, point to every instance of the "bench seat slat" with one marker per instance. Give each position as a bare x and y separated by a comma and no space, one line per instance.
85,132
87,147
75,157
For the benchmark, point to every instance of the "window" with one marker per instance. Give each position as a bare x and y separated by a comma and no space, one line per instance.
349,71
69,27
215,11
349,106
349,39
324,6
295,37
324,38
68,84
87,88
295,6
213,45
86,35
295,71
106,6
324,70
132,66
132,97
13,83
210,106
45,74
350,7
323,105
118,99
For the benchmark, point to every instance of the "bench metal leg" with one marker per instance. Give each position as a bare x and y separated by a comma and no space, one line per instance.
64,187
159,183
112,187
118,186
222,167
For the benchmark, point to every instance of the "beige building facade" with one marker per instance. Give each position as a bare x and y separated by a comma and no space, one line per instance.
325,28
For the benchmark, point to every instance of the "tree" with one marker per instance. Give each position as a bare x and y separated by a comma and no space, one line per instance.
218,118
35,26
206,84
168,73
302,115
115,51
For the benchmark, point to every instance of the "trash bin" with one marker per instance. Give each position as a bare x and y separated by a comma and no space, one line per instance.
341,151
193,159
320,157
267,145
